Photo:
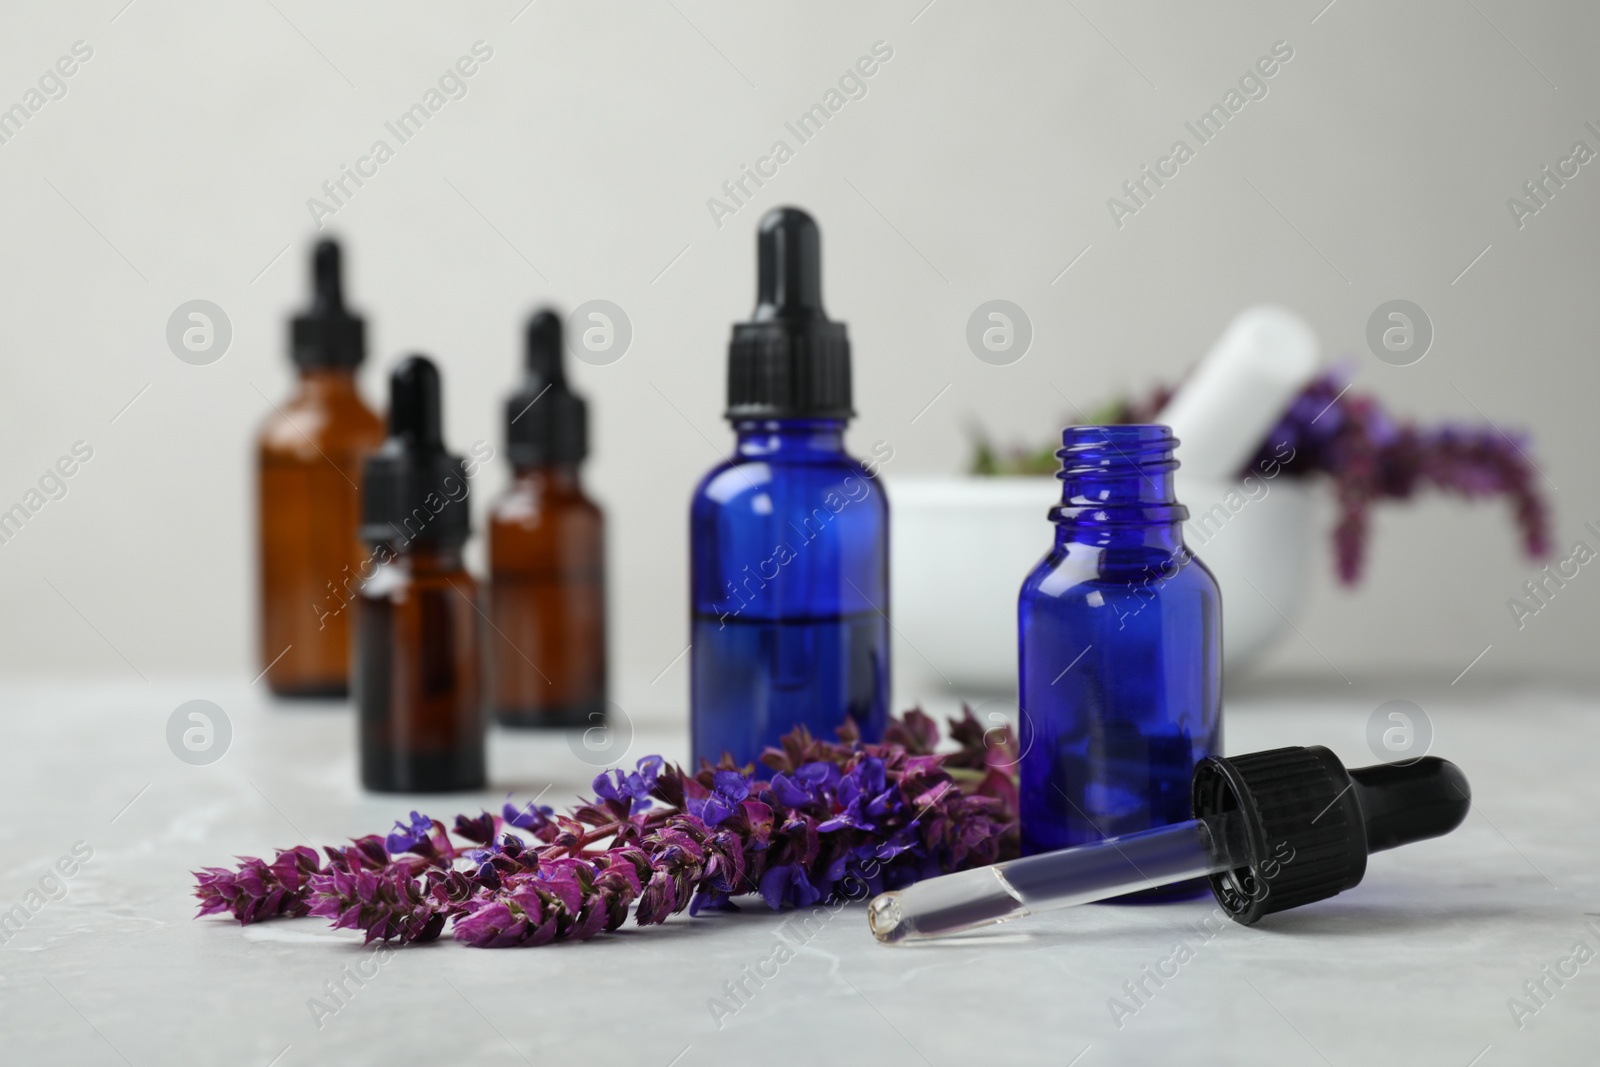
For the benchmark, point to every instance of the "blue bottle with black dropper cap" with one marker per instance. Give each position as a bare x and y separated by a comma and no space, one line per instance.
789,538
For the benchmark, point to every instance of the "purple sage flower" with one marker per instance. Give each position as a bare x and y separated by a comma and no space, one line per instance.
633,786
788,884
810,782
838,815
527,817
727,790
410,838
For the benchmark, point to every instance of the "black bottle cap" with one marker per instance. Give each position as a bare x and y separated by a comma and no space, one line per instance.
546,422
412,489
789,360
1310,823
327,334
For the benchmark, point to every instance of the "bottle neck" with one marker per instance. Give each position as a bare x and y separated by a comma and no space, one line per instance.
328,382
549,477
428,557
789,438
1117,488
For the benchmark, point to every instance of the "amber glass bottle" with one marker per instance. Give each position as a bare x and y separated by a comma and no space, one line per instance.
418,670
547,555
309,466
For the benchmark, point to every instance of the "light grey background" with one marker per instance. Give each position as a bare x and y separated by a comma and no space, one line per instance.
578,166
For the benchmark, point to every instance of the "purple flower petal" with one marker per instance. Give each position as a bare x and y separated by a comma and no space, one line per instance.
789,792
409,838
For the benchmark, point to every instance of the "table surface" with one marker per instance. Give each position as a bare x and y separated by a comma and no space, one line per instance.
1418,964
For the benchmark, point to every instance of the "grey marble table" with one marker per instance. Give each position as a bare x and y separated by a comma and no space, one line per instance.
1423,963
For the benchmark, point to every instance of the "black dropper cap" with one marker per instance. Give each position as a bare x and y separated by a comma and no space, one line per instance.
1310,823
412,489
327,334
789,360
546,422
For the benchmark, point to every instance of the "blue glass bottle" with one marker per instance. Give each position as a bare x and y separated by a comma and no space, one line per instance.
1120,649
789,538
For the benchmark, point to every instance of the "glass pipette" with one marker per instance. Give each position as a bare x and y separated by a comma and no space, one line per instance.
1273,830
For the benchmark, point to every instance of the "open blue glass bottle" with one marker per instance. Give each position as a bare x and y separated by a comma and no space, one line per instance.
789,537
1120,650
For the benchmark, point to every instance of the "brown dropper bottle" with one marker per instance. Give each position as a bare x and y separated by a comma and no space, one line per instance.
547,555
418,687
309,462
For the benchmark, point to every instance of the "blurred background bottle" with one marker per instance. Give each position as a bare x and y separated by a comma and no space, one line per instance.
418,672
547,658
309,468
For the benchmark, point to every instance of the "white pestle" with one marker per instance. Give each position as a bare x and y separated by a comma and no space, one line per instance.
1223,411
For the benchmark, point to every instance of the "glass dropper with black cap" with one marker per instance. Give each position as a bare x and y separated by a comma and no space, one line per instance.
1272,831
